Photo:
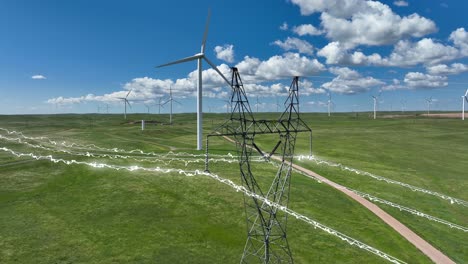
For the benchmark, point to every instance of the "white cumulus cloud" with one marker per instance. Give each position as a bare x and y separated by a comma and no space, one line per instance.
443,69
361,22
38,77
288,65
405,53
295,44
284,26
225,53
418,80
307,29
401,3
460,39
349,81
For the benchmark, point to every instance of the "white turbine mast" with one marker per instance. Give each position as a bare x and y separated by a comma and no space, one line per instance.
228,105
200,57
277,105
170,100
376,100
329,103
159,104
126,103
257,104
148,108
429,102
403,105
464,98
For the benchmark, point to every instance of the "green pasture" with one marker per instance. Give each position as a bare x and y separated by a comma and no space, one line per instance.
58,213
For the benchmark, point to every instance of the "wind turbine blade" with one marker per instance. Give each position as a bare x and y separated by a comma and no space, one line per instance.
466,99
128,103
217,70
191,58
128,93
205,34
466,94
176,101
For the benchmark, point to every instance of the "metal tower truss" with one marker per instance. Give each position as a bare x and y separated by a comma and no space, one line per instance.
266,225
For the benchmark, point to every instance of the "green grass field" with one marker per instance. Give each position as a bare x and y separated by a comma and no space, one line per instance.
58,213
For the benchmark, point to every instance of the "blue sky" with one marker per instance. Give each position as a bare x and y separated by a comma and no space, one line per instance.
73,56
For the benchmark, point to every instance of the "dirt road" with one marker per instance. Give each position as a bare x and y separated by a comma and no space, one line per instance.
433,253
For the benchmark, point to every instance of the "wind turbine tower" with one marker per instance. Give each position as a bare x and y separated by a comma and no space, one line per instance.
403,106
277,105
199,57
228,106
126,103
160,105
148,108
464,98
376,99
429,102
170,101
257,104
329,103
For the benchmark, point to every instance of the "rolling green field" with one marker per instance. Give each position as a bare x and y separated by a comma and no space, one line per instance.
76,213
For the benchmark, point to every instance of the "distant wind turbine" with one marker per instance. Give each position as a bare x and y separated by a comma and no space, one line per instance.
464,98
148,108
160,105
126,103
403,106
199,57
257,104
228,105
376,99
429,103
329,103
277,105
170,100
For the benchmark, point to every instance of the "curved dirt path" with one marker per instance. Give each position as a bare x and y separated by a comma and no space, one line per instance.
433,253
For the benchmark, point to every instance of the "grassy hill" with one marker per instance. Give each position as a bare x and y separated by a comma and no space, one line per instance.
59,213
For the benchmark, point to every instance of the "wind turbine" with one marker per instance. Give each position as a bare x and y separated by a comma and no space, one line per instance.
277,105
429,102
228,105
160,105
464,98
125,103
147,107
170,100
329,103
403,106
376,99
107,108
200,57
257,104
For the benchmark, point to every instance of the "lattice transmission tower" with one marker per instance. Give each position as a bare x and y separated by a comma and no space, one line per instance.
267,230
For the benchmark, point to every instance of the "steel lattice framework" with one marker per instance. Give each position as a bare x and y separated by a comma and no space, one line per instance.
266,225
